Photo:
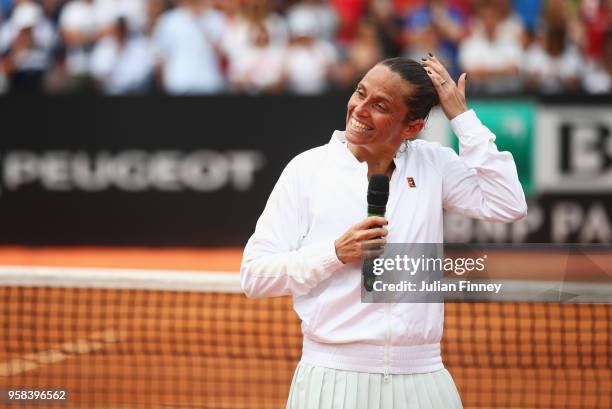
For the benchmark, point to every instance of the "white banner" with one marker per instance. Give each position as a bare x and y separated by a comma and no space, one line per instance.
574,149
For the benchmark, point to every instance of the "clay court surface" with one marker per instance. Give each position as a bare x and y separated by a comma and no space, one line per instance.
224,259
157,349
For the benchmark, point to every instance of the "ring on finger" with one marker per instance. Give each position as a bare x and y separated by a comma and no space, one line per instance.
443,82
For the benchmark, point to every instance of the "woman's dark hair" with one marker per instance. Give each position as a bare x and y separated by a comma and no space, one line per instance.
423,96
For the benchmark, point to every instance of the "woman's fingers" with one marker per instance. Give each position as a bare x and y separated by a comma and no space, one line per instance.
371,221
436,79
461,84
373,248
366,236
432,63
451,95
371,233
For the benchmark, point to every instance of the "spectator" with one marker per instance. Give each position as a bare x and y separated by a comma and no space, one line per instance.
257,11
259,67
597,18
403,7
362,54
5,9
349,13
26,42
562,12
154,10
324,14
388,26
491,60
24,13
133,11
122,61
214,23
58,79
309,60
198,44
186,57
79,32
510,26
552,65
52,10
598,74
435,27
529,12
242,22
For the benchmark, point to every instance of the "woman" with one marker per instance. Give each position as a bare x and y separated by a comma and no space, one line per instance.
308,241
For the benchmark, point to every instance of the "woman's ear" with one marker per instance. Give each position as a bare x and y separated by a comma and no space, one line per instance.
412,129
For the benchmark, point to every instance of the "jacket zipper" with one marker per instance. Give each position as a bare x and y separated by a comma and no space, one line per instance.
386,375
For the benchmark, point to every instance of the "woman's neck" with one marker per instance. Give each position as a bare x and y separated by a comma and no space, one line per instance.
378,162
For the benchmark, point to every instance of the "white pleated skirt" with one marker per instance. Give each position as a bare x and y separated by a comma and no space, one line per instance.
316,387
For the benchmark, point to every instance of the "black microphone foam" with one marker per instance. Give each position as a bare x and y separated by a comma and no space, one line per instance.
378,194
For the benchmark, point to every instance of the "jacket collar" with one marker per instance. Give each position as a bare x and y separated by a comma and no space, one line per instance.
343,154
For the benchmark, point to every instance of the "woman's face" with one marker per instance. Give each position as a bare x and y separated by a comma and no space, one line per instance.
376,111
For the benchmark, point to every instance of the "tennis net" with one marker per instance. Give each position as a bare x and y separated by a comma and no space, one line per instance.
145,339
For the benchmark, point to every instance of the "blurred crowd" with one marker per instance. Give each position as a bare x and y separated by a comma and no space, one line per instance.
302,47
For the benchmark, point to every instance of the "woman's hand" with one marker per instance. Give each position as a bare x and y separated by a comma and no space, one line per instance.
364,240
452,96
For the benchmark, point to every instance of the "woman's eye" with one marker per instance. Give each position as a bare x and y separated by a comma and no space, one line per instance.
379,106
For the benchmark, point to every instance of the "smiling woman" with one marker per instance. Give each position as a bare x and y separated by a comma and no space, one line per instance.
310,239
388,107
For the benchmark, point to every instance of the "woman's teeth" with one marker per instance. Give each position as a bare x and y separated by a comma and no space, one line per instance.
359,125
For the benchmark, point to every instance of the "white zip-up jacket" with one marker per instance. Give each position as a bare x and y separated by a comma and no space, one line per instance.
322,193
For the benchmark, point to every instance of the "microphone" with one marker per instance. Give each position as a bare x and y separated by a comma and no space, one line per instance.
378,195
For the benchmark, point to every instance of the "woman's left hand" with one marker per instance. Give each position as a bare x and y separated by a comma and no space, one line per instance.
452,96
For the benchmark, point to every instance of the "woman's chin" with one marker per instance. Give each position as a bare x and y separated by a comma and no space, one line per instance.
355,138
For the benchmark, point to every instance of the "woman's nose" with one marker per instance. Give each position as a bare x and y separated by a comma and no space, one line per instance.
361,109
